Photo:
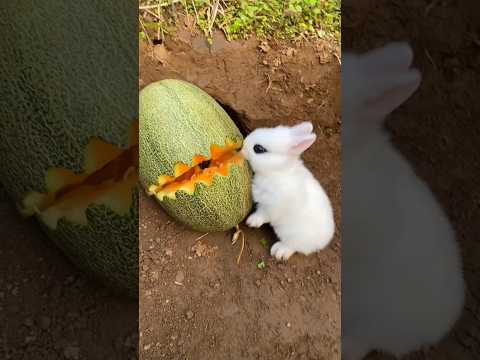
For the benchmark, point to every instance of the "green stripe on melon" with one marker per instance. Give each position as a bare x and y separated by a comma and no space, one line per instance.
68,75
178,121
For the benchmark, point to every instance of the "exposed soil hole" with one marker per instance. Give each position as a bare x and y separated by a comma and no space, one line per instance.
157,41
239,119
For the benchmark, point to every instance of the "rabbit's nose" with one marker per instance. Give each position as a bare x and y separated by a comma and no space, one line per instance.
243,152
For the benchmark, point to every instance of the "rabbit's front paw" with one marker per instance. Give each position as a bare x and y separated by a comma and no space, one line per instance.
256,220
280,251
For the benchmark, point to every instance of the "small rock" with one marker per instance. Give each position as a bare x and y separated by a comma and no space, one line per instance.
189,315
258,283
44,322
147,347
290,52
289,325
289,280
71,352
180,277
264,47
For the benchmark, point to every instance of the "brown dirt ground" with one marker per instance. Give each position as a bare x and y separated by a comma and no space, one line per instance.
221,310
438,129
48,308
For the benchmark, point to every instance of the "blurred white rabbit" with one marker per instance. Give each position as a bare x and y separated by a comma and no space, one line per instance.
402,283
287,194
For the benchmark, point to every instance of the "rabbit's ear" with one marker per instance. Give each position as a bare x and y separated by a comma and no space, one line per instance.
395,56
390,92
302,143
303,128
391,80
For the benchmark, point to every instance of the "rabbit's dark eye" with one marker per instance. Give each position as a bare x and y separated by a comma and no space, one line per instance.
259,149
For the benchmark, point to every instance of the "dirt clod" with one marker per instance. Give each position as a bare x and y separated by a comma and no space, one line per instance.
189,315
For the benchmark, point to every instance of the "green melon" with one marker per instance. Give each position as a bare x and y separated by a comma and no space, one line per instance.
68,76
179,121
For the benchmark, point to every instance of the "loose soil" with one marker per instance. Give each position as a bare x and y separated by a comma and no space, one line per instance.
438,128
48,308
195,301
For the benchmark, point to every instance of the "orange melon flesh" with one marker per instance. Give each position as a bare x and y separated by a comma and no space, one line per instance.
188,177
109,177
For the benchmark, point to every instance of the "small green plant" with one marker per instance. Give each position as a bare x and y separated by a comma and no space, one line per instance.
261,265
264,243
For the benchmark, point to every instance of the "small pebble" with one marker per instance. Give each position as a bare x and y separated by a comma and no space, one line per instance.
169,252
289,325
147,347
180,277
189,315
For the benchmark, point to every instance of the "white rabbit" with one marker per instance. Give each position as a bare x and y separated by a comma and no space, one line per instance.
402,283
287,194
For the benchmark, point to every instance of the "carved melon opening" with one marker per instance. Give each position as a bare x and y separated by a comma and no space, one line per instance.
203,170
109,177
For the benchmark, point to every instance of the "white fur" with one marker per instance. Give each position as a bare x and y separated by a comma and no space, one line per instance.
402,284
287,194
